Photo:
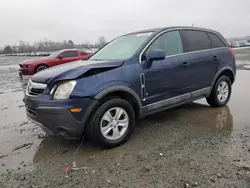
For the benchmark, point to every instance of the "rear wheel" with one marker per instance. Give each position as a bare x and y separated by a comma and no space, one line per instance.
220,93
112,124
41,67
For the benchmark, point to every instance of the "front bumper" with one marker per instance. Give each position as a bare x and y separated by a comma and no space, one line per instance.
26,71
55,118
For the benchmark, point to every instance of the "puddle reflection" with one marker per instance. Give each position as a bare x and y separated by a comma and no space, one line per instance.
191,120
208,120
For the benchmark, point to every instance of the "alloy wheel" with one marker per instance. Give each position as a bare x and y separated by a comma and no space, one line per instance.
114,123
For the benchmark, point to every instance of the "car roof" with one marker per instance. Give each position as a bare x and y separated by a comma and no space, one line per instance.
158,30
72,49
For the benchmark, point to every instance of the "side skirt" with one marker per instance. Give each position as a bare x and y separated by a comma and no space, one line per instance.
175,101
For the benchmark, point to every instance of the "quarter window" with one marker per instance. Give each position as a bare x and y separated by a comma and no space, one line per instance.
70,54
195,40
84,53
216,41
169,42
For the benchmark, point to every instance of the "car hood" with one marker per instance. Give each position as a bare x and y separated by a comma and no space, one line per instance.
31,61
71,70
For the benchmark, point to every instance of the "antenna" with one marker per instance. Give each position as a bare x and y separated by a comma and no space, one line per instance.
193,25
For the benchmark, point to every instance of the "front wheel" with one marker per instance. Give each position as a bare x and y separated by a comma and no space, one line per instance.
40,68
220,93
112,124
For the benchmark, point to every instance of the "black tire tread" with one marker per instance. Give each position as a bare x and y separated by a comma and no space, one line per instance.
93,129
39,66
212,99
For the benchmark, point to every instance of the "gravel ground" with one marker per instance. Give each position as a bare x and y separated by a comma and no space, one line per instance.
189,146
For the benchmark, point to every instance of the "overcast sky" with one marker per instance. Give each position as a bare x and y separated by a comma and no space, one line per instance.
86,20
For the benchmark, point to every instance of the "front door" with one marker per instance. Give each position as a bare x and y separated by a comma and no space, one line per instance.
169,78
66,56
69,56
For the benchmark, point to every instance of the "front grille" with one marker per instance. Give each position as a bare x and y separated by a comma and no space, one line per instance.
31,111
35,91
34,88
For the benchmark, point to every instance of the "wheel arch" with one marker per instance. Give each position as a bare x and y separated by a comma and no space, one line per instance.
40,64
124,93
226,71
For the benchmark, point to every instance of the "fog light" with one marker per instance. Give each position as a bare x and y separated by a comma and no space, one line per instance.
75,110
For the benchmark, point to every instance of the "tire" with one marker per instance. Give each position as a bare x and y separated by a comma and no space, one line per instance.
101,117
40,68
214,100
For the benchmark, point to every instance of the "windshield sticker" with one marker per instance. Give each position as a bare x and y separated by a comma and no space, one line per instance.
143,34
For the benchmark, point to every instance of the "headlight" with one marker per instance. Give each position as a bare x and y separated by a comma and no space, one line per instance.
64,90
27,66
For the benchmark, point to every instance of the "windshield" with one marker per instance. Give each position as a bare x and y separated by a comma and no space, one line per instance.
121,48
55,54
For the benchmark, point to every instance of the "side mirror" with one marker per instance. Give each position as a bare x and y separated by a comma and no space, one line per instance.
60,56
155,55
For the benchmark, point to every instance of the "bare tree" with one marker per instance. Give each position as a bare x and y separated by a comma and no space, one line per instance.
7,49
101,42
48,46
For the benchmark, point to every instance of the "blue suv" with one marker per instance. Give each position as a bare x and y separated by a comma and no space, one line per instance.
134,75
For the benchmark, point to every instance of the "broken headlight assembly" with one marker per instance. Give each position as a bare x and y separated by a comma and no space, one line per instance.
63,90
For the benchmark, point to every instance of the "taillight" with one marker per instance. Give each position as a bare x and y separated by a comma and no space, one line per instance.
232,51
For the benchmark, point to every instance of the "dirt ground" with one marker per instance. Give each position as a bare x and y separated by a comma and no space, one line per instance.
189,146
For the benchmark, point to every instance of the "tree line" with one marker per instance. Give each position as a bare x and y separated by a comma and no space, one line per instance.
50,46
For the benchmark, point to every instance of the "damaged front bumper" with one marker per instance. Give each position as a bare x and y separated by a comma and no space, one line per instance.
55,118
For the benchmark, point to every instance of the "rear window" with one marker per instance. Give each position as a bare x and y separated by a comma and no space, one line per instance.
195,40
216,41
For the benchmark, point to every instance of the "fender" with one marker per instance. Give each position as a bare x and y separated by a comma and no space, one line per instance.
218,74
119,88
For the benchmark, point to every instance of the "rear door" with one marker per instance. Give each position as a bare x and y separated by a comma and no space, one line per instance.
221,51
167,78
203,59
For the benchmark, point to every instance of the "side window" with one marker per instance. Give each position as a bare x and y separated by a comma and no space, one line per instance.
195,40
169,42
216,41
70,54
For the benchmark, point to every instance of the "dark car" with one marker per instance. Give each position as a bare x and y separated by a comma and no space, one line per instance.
132,76
31,67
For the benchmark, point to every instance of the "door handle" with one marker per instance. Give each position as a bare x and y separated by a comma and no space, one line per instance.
184,64
215,58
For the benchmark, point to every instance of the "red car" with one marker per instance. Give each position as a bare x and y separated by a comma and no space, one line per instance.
57,58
